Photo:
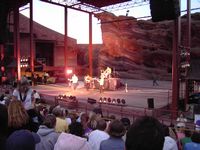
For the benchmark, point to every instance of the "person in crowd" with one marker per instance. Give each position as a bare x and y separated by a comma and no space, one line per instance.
126,122
47,133
45,77
146,133
87,81
3,126
68,141
101,84
181,121
67,118
169,143
84,119
61,124
24,94
76,128
195,144
116,130
22,140
18,117
98,135
36,96
187,137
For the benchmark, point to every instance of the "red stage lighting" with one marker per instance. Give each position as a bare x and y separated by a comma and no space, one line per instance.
69,71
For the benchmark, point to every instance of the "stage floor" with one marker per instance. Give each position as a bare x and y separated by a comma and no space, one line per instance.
138,92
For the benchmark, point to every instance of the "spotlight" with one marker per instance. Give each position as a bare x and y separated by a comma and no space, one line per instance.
123,101
113,101
101,99
109,100
118,101
104,99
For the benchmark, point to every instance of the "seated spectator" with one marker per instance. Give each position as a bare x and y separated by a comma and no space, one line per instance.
67,118
17,117
187,138
47,133
169,143
98,135
115,142
61,124
3,126
22,140
195,144
146,133
71,142
85,121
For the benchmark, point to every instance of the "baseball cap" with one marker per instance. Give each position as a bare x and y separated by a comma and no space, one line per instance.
22,140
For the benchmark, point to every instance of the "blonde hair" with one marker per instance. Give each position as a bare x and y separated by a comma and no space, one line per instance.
17,115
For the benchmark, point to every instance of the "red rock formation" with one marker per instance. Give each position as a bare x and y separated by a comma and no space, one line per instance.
142,49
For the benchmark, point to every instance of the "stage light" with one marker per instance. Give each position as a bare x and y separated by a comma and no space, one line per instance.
123,101
100,99
69,71
118,101
104,99
113,101
109,100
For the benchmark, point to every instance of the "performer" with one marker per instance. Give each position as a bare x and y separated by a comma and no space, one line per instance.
74,81
87,82
101,83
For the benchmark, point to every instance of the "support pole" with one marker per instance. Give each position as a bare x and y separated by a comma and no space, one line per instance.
65,38
31,40
17,42
188,44
90,46
175,67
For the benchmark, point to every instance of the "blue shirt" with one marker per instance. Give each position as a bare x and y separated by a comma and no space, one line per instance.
112,144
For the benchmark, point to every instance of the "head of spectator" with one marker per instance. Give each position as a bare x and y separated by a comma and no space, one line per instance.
196,137
23,85
126,122
146,133
76,128
101,124
49,121
58,112
116,129
17,115
22,140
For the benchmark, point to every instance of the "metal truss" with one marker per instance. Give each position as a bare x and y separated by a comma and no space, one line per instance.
78,5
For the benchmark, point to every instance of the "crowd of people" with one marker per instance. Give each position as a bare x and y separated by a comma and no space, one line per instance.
26,125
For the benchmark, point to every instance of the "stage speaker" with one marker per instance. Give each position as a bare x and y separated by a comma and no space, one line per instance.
164,10
150,102
91,101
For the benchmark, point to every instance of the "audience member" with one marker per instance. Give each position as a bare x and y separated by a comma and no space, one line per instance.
116,130
22,140
76,128
61,124
146,133
126,122
67,118
47,133
71,142
3,126
195,144
17,117
98,135
187,137
36,95
169,143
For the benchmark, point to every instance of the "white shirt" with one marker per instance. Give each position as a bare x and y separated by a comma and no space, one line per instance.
96,137
74,79
28,100
170,144
101,81
36,95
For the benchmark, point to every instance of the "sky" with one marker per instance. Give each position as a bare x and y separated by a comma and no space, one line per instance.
52,16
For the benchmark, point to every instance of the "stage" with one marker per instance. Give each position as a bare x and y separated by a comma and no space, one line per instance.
138,91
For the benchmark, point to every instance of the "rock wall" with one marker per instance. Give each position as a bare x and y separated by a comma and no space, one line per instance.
142,49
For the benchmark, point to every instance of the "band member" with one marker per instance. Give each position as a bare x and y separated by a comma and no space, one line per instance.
87,81
74,81
101,83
